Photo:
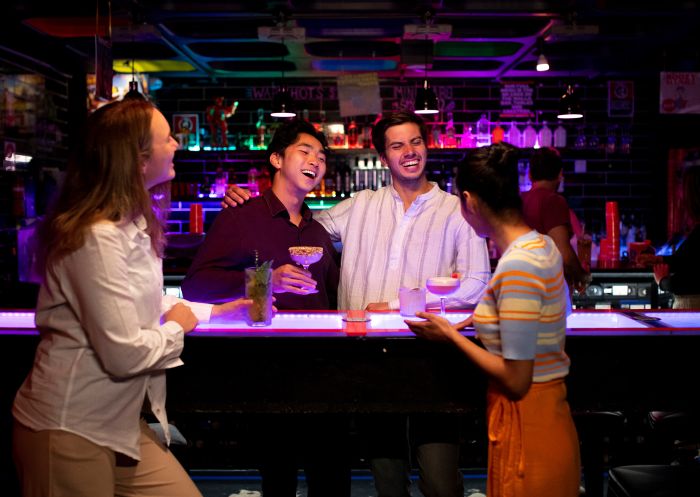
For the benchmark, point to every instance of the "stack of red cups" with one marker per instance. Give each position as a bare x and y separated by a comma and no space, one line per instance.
612,227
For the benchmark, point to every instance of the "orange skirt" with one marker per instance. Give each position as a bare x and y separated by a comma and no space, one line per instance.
533,446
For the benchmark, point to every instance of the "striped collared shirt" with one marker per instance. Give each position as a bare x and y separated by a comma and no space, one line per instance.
386,247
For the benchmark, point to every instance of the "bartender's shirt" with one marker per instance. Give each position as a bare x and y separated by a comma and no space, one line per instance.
103,348
385,247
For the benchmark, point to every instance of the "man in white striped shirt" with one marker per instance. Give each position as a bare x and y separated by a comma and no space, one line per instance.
398,236
404,233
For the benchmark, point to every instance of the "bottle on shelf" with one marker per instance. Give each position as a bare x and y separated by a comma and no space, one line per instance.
545,135
450,141
352,134
483,137
514,135
498,134
529,136
468,138
560,136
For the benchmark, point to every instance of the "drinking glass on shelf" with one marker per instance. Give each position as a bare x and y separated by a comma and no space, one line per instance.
442,286
305,256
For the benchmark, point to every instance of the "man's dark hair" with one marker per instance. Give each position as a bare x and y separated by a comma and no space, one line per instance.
395,119
287,134
545,164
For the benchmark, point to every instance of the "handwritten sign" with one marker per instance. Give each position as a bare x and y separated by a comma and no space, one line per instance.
516,99
358,94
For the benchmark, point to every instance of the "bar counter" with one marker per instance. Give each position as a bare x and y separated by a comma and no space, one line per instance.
318,362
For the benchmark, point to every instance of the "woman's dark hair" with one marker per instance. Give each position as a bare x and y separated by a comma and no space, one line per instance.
395,119
491,173
287,134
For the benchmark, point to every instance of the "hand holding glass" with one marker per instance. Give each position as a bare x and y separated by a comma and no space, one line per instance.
442,286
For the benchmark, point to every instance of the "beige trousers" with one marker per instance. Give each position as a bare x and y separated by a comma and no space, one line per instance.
55,463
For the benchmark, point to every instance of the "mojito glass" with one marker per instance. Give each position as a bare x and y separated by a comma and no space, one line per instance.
258,288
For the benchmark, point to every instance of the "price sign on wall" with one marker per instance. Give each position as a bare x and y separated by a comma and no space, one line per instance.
516,99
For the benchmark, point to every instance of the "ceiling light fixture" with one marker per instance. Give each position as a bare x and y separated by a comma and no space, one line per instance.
569,105
426,100
282,102
542,62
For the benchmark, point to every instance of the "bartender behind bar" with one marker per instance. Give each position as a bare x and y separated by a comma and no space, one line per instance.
266,227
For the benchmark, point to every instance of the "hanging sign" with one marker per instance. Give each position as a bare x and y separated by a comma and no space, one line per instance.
516,99
358,94
620,98
679,93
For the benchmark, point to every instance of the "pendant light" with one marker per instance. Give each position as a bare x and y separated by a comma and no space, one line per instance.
133,93
542,62
282,102
569,105
426,101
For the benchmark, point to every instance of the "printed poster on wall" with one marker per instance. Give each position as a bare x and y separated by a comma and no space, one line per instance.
358,94
620,98
679,93
186,130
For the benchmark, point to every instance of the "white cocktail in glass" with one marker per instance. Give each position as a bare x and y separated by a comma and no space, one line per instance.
305,256
442,286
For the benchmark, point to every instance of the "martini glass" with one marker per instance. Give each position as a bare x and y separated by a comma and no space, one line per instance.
442,286
305,256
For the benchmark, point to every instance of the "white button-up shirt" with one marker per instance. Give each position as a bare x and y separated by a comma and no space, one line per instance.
386,247
103,350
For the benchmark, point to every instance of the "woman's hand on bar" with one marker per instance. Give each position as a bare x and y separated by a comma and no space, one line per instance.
235,310
182,315
235,196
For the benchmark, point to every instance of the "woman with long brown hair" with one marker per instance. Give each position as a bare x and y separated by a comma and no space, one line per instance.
107,332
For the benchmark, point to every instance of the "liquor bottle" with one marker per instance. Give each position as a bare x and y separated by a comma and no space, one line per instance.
468,138
560,136
498,134
545,135
514,135
483,137
529,136
352,134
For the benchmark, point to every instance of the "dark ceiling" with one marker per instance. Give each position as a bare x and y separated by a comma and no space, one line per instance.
305,38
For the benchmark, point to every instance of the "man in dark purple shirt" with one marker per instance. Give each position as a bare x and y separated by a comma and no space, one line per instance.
267,226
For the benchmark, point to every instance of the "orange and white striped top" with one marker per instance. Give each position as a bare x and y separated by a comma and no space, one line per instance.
522,315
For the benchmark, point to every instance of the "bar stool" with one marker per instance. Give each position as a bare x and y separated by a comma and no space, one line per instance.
593,428
654,481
